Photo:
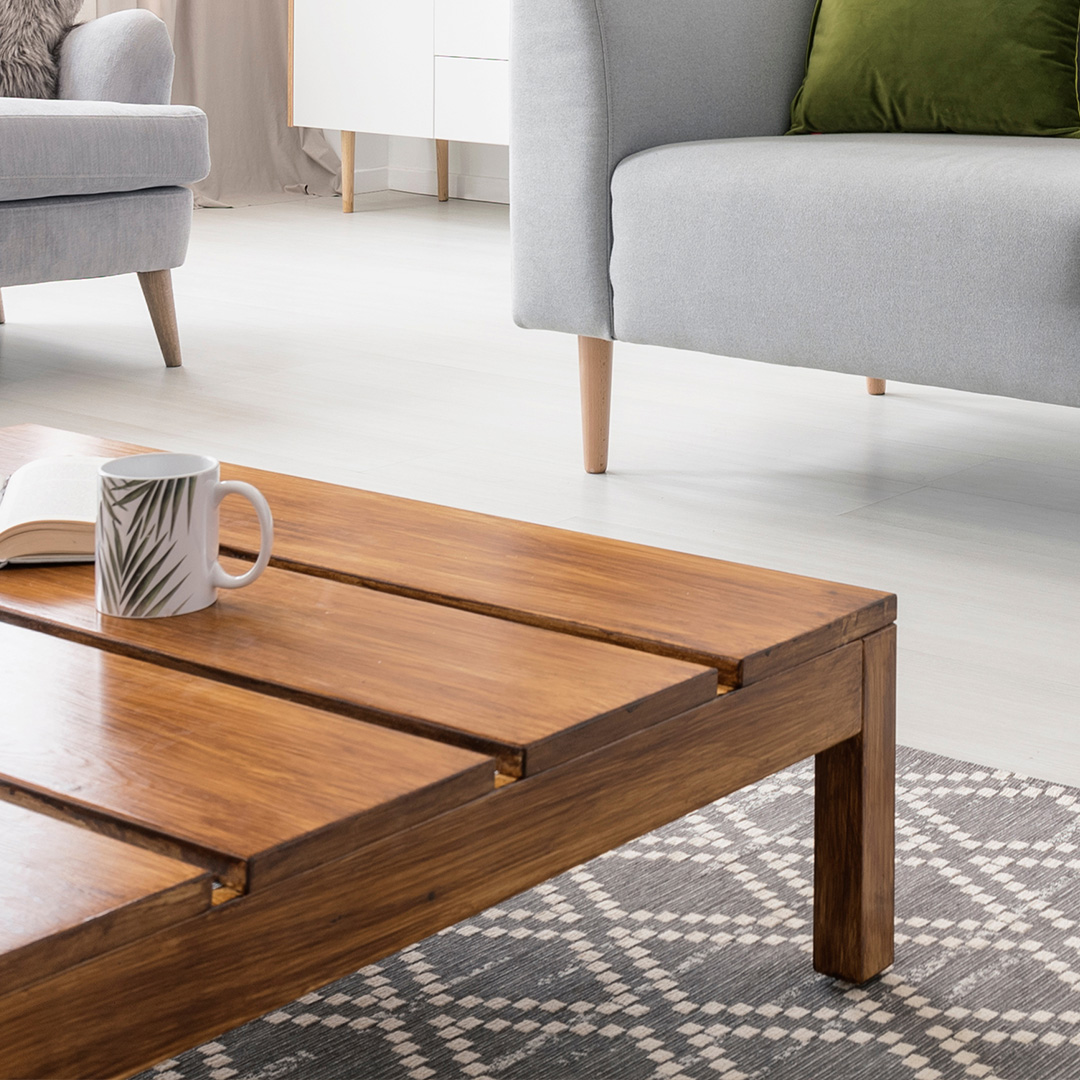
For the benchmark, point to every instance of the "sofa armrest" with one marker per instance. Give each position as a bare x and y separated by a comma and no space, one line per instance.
593,81
126,56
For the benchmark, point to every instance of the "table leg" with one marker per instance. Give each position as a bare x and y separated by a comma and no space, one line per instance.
854,830
348,170
442,168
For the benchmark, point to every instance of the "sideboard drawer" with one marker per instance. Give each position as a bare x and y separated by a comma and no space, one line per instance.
474,28
472,100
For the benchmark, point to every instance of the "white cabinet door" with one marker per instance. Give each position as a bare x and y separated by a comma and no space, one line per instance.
364,66
477,28
472,100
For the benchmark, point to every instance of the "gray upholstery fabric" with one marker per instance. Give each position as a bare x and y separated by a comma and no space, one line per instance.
122,57
93,235
87,147
938,259
88,187
596,80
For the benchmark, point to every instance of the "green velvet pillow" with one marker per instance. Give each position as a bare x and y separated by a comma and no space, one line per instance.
985,67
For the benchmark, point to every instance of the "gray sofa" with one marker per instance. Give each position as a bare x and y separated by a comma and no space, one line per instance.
655,199
91,184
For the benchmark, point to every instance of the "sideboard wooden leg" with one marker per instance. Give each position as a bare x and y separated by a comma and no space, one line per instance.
348,171
854,830
442,168
875,386
158,290
594,361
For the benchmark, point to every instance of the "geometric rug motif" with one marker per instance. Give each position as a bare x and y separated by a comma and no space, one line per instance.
685,955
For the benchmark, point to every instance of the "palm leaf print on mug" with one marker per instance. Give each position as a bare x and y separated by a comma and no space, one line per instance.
138,563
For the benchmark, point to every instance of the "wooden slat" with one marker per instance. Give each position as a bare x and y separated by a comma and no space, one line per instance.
531,697
745,621
117,1013
67,894
250,787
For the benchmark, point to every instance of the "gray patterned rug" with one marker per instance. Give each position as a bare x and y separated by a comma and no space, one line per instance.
685,955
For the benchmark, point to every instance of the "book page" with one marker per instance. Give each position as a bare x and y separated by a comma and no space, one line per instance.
51,489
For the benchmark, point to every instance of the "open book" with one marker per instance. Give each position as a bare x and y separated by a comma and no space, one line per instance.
47,511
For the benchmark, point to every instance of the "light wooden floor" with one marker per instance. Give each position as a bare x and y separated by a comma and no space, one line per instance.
377,350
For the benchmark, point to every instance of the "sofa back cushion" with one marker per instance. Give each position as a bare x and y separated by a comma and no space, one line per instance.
31,32
981,67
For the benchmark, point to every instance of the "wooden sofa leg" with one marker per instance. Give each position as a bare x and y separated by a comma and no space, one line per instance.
157,288
594,360
875,386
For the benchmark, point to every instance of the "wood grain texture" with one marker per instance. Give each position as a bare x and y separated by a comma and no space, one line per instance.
67,894
745,621
252,788
594,369
442,169
854,851
348,171
530,697
136,1005
158,291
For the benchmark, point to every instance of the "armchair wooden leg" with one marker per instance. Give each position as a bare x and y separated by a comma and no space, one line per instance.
854,830
157,288
875,386
594,361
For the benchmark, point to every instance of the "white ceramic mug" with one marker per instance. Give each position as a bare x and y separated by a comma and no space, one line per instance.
156,544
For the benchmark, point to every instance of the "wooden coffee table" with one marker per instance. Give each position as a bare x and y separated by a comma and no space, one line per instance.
414,714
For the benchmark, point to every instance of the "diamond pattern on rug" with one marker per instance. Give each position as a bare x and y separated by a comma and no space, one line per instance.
685,955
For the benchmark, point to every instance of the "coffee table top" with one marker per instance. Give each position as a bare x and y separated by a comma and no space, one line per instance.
221,776
744,621
399,665
107,894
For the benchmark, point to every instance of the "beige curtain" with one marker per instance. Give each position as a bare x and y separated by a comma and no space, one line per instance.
232,62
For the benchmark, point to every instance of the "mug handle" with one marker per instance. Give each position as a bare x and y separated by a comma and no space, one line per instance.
218,577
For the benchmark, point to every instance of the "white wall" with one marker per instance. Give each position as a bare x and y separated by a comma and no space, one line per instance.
477,171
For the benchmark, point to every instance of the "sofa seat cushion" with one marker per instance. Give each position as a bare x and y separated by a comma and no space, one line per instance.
50,148
936,259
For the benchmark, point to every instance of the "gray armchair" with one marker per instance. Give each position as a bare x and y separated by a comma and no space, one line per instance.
654,199
91,184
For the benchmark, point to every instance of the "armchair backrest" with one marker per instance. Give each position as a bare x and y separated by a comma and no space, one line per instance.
680,70
126,56
593,81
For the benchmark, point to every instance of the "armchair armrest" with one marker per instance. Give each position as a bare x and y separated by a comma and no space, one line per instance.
593,81
126,56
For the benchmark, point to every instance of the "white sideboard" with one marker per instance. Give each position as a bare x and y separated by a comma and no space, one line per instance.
436,69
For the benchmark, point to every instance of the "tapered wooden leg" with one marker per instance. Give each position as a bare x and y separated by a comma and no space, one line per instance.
157,288
594,361
875,386
348,171
442,168
854,830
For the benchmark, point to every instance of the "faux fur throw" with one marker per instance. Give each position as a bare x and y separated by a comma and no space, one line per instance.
31,32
